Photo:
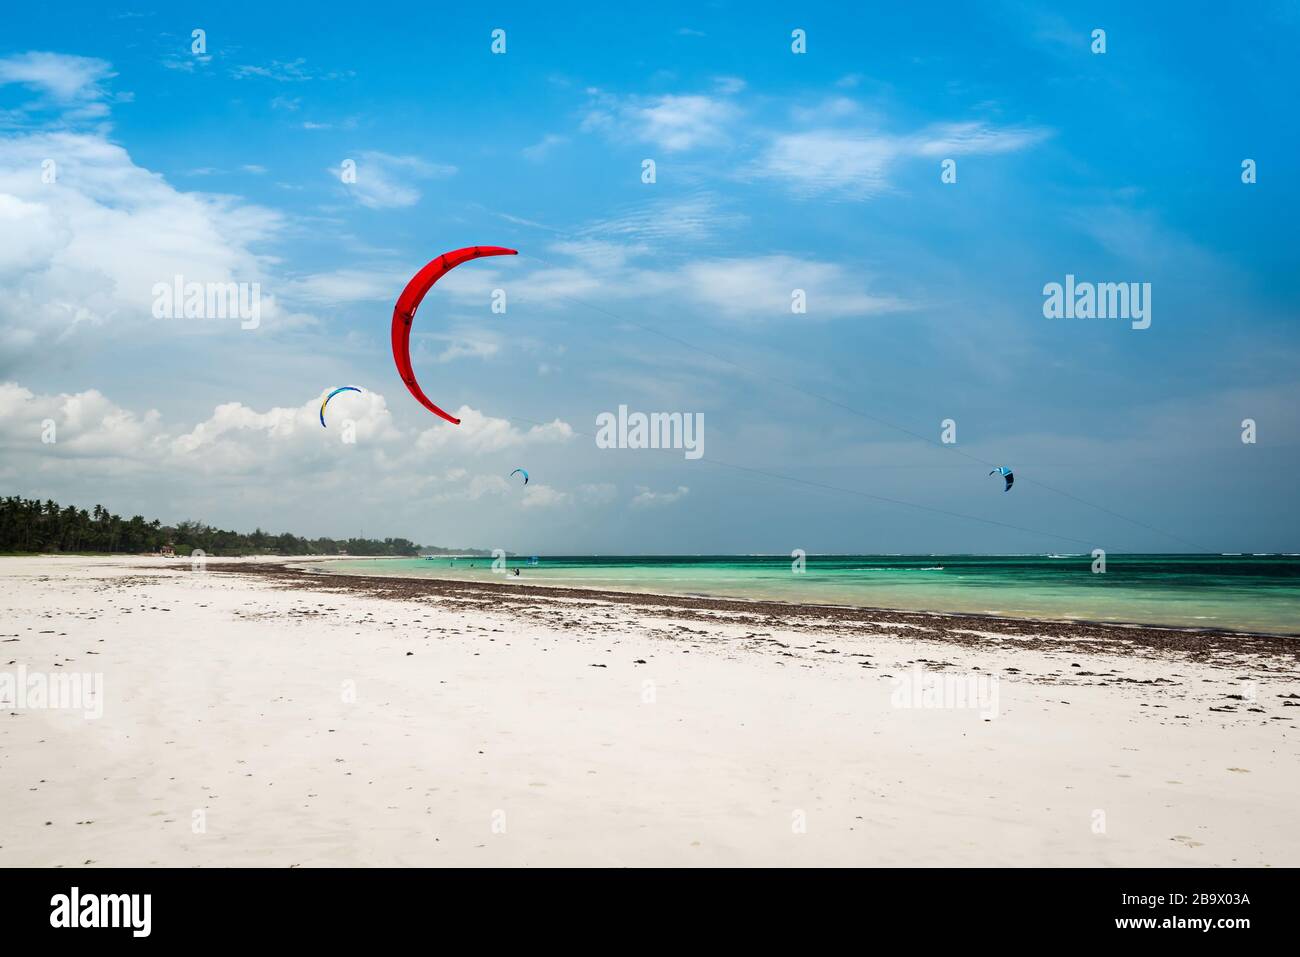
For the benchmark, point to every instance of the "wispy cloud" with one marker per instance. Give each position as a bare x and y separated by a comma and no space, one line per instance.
646,498
762,287
287,71
543,147
187,62
468,343
691,219
729,288
598,493
857,164
293,71
966,139
339,286
384,181
72,85
672,122
544,496
66,78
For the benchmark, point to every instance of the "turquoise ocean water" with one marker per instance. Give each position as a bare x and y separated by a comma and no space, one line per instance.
1238,592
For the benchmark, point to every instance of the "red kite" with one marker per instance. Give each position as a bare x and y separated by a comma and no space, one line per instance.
409,301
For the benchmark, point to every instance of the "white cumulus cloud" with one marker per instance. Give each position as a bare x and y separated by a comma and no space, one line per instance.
87,234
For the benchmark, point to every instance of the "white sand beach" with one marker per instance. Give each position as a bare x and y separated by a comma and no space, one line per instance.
246,722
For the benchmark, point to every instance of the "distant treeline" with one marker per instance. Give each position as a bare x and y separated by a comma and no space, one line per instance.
27,525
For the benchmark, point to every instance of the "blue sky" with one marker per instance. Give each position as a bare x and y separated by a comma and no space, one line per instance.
775,171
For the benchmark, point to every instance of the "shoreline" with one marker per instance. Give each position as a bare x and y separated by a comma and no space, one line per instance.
676,597
1154,635
1104,622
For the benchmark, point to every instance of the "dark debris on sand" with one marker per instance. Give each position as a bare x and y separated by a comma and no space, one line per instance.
550,603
